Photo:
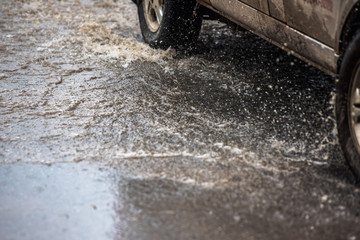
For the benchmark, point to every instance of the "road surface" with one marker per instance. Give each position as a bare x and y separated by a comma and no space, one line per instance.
102,137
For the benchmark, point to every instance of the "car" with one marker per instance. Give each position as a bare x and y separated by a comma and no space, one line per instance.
324,33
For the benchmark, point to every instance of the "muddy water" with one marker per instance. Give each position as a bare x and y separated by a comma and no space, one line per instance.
233,139
87,80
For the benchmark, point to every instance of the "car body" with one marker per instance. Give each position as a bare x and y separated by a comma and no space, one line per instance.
313,30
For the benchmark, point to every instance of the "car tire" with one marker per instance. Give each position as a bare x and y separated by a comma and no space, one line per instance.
348,105
169,23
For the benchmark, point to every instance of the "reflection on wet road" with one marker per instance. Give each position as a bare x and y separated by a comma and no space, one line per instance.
235,139
55,202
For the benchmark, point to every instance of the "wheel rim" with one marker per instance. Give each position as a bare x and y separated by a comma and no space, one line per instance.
153,12
354,108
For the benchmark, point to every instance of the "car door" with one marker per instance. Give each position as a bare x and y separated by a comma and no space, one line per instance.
316,18
224,5
261,5
276,9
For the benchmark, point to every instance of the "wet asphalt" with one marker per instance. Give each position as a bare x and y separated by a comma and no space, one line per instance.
102,137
